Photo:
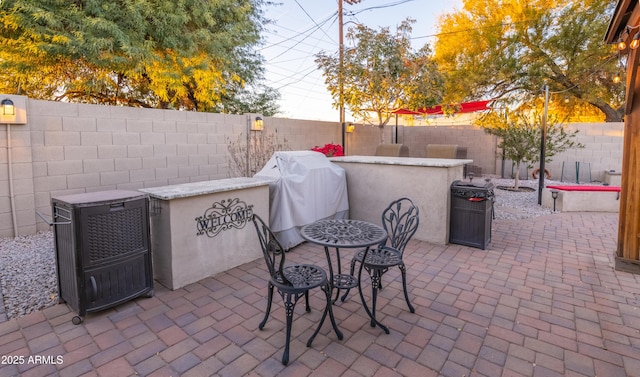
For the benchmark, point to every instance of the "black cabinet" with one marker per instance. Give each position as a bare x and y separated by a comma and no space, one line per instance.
102,244
471,213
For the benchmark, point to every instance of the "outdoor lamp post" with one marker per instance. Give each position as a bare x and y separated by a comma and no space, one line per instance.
543,143
554,195
255,125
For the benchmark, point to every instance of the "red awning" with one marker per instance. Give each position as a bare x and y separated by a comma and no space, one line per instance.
406,112
466,107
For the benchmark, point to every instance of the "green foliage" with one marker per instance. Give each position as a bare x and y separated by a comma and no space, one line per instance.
380,73
520,137
186,54
261,100
510,48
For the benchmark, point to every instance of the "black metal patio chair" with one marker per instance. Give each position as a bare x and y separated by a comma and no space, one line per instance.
292,282
400,219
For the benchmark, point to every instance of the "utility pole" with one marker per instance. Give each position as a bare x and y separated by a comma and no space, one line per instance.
543,143
341,75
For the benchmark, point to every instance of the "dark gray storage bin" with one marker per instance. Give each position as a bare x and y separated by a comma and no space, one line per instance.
102,244
471,213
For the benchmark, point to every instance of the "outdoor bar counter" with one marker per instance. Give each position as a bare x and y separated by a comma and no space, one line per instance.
373,182
203,228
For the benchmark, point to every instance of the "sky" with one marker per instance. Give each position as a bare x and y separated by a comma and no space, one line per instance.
302,28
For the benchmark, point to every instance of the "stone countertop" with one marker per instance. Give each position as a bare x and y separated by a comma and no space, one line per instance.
95,198
186,190
409,161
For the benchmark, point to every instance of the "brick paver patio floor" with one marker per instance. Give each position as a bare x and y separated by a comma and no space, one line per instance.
542,300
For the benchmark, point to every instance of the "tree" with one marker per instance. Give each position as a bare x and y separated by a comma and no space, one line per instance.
189,54
510,48
520,137
380,73
260,99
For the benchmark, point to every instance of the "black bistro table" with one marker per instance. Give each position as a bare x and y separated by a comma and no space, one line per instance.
344,233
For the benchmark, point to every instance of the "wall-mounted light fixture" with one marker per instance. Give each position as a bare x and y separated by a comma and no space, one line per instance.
257,124
350,128
7,107
13,109
554,195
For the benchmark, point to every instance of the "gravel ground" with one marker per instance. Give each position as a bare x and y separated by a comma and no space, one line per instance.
28,274
518,205
27,263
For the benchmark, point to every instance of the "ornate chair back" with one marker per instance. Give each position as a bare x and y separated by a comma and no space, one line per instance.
400,219
273,252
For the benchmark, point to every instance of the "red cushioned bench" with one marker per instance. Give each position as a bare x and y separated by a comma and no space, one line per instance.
585,188
576,198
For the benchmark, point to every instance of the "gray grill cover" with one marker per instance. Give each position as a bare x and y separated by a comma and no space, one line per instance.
306,186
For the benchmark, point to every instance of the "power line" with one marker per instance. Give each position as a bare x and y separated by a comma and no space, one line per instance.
290,44
390,5
502,24
298,76
304,34
311,18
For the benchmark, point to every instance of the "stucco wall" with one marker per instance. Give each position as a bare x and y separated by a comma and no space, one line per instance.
73,148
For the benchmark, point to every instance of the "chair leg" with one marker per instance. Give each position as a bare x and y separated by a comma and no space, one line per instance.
337,295
403,271
306,301
353,266
289,306
328,308
269,301
375,284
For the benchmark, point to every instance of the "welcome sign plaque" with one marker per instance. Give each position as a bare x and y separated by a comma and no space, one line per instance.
224,215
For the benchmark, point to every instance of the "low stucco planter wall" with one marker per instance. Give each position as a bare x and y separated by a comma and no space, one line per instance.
582,201
374,182
201,229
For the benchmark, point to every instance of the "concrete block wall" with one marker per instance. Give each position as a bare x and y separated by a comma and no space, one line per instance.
19,193
74,148
364,140
602,152
481,147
